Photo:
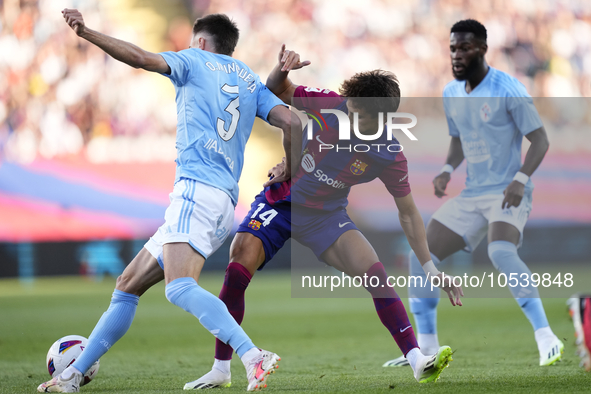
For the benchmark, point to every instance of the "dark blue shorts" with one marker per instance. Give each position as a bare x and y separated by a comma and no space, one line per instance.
312,228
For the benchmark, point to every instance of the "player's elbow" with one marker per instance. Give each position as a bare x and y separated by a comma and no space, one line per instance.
404,217
546,145
540,141
542,145
138,61
149,62
285,119
294,121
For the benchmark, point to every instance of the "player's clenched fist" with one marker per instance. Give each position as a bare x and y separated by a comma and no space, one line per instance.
290,60
74,20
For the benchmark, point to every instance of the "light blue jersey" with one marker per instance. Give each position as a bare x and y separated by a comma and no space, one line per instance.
217,99
491,122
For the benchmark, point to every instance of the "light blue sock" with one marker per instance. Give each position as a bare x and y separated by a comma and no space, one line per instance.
211,312
110,328
423,301
504,257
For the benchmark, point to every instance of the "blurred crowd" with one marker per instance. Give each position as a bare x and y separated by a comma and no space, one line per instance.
61,96
544,43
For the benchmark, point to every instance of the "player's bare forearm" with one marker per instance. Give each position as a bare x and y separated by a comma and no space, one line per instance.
291,126
536,152
292,142
413,227
278,81
455,154
120,50
280,84
127,52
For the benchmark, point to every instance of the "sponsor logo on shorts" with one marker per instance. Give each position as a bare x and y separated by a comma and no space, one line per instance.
322,177
254,224
358,167
403,178
221,233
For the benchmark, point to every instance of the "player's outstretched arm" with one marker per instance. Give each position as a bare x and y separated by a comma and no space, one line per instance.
121,50
414,229
535,154
455,156
287,121
278,81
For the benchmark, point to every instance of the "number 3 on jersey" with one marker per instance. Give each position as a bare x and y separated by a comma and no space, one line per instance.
232,109
267,216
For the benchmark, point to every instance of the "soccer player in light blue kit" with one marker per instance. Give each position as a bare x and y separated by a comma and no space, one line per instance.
488,114
217,100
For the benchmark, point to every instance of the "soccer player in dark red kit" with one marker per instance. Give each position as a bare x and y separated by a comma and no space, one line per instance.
311,209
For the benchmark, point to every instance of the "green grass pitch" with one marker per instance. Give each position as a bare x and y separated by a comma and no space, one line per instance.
326,345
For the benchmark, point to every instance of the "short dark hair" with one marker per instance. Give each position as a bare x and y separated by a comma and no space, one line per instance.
470,26
222,29
380,85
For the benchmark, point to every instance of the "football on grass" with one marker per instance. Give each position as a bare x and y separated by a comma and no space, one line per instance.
64,352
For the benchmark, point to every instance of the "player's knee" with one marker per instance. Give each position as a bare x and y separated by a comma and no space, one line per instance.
172,291
128,284
249,253
505,258
420,306
500,252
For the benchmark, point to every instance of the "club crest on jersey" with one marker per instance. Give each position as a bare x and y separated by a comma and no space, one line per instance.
358,167
485,112
308,162
254,224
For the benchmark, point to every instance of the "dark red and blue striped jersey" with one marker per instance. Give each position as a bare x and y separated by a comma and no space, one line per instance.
325,176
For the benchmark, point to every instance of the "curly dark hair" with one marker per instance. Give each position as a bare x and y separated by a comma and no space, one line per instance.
470,26
222,29
380,88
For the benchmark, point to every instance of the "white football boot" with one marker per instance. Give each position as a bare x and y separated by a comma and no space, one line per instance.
211,380
259,368
429,368
59,385
397,362
551,351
